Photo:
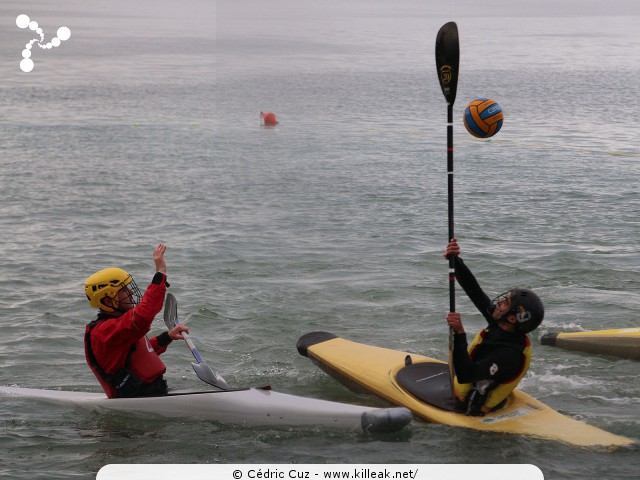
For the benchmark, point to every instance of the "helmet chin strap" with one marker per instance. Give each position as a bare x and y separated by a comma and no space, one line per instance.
119,310
504,319
510,327
129,302
113,306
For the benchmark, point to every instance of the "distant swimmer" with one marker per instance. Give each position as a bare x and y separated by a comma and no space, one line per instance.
269,119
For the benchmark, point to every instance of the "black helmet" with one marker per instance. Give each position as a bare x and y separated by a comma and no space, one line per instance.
525,305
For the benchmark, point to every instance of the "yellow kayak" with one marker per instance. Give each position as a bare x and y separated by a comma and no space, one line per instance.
422,385
620,342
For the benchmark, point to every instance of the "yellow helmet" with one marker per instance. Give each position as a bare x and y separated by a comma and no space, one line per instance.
107,283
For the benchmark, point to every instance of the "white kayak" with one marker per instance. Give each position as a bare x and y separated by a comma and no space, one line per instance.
246,407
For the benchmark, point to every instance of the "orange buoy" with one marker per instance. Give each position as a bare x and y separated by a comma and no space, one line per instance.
269,119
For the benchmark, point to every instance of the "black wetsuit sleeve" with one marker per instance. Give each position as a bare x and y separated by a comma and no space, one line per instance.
501,365
472,288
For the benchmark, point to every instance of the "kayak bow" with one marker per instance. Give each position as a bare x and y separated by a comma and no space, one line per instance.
619,342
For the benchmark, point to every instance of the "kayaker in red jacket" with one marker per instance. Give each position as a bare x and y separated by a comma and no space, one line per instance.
123,359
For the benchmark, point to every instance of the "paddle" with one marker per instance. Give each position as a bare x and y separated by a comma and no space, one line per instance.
447,62
203,370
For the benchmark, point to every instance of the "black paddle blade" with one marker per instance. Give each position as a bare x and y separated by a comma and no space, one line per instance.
170,311
448,60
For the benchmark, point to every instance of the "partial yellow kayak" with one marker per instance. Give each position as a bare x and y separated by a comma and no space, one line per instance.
619,342
422,385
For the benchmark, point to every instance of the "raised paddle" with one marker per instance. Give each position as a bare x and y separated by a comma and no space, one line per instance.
447,62
203,370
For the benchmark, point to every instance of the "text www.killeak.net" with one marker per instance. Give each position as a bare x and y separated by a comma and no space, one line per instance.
370,473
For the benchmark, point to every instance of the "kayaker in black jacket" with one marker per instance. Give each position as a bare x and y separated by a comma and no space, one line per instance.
499,356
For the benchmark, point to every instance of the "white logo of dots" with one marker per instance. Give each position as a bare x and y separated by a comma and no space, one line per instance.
23,21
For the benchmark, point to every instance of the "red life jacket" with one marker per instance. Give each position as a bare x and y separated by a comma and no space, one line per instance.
145,362
142,362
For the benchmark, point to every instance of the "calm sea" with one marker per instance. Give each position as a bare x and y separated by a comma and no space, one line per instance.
144,127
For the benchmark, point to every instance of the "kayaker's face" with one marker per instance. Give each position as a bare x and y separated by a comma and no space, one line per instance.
503,305
125,299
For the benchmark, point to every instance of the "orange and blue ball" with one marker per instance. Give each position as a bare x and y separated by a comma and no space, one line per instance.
483,117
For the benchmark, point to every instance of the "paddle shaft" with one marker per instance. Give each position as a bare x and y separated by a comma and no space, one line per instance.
447,63
191,345
452,266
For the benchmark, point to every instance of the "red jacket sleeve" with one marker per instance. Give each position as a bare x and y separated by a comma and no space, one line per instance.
157,347
141,317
